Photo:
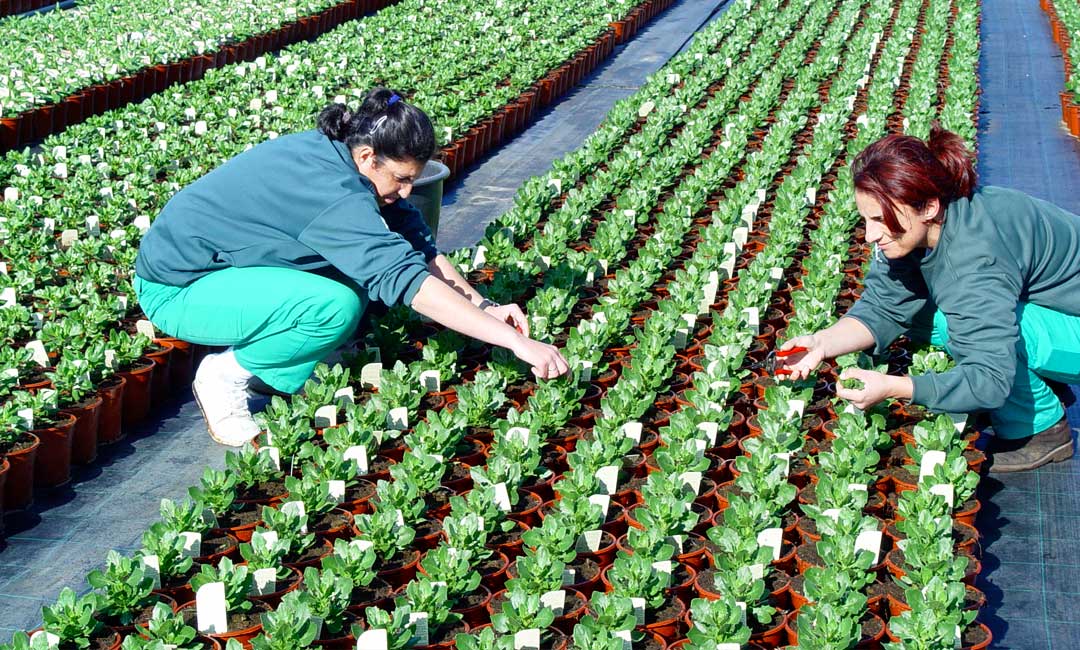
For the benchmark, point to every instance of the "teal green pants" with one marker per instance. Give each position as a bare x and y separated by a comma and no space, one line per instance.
280,322
1049,348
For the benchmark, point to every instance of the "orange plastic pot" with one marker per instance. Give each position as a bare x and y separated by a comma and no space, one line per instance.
84,439
18,493
160,383
137,392
53,465
111,418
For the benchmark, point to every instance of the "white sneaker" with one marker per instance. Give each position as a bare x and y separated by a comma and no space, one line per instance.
220,389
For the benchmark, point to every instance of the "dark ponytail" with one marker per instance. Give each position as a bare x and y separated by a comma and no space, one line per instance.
384,122
902,169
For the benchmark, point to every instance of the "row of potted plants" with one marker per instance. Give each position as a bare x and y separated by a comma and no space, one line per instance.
1064,18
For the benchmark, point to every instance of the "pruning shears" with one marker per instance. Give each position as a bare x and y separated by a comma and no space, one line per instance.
769,364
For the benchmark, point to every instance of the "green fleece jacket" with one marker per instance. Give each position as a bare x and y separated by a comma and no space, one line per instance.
296,202
997,249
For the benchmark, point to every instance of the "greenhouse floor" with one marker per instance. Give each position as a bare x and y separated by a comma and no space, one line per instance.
1028,521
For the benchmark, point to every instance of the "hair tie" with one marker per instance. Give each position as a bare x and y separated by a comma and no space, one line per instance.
394,98
376,125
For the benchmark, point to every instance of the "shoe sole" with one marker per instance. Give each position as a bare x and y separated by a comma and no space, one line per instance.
213,436
1062,453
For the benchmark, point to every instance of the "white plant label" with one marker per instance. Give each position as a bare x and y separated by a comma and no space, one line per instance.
589,541
639,610
7,296
502,497
646,108
569,577
265,581
372,640
773,538
749,214
602,500
556,183
544,262
152,568
753,319
270,537
679,338
297,508
11,194
586,371
677,541
945,491
192,544
274,453
210,612
521,433
419,621
479,256
359,454
93,225
796,408
555,601
51,639
856,487
786,457
361,544
609,478
930,460
959,421
38,353
527,640
326,416
757,571
142,222
710,429
742,607
664,567
700,446
632,430
345,396
692,480
832,513
398,419
627,640
371,375
739,236
146,328
851,408
430,380
374,352
869,540
336,488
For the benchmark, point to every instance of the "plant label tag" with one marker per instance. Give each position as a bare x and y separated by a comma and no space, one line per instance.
773,538
691,320
627,640
326,416
739,236
48,225
752,319
673,78
569,577
699,446
152,568
502,497
811,195
600,317
336,488
742,607
38,353
69,237
664,567
146,328
646,108
371,374
51,640
265,581
959,421
589,541
609,478
602,500
586,371
856,487
209,518
419,623
679,338
521,433
556,183
296,508
210,609
869,540
479,257
796,408
728,265
359,454
757,571
269,537
374,352
677,541
930,460
639,610
851,408
192,544
527,640
832,513
372,640
274,454
692,480
749,214
11,194
945,491
429,379
711,431
93,226
786,457
398,419
3,268
632,430
544,262
555,601
344,397
110,359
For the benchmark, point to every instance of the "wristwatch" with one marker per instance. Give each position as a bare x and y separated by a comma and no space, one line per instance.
485,303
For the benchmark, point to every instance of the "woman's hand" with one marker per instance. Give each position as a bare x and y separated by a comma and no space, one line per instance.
876,387
546,360
511,314
801,364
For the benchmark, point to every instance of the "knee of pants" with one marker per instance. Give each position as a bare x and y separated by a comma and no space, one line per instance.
340,311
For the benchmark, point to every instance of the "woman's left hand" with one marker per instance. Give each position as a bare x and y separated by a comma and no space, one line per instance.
511,314
877,387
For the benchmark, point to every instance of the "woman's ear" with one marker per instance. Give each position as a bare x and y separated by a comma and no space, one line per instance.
930,212
363,156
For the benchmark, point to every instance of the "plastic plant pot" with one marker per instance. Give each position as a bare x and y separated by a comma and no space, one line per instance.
427,193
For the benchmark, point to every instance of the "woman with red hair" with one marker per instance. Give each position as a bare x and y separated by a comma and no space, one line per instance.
993,274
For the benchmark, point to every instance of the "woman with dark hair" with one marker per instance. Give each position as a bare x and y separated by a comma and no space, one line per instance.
992,274
277,253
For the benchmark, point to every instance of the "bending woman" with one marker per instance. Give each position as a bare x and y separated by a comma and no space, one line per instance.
992,273
260,253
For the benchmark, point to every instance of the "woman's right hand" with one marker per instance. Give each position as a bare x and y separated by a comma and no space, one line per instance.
546,360
801,364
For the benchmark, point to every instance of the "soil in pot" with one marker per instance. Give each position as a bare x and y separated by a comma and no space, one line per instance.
264,492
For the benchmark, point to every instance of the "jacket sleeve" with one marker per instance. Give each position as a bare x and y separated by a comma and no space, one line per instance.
409,222
352,236
983,338
894,294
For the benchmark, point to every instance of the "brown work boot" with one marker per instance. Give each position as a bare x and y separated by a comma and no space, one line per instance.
1022,454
